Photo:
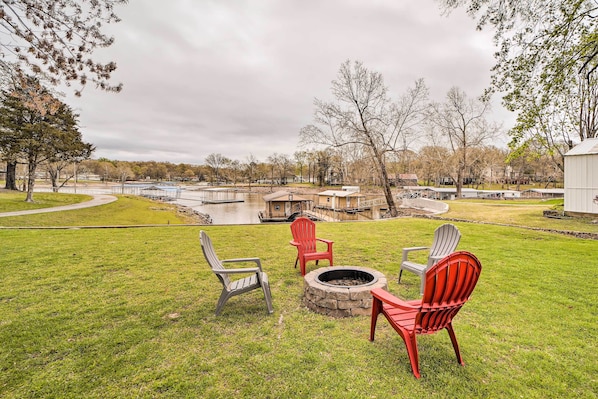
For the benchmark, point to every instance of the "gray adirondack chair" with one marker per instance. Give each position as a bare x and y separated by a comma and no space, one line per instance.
446,239
230,288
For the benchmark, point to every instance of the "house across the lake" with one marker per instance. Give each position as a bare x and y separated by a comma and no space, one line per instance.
284,206
340,200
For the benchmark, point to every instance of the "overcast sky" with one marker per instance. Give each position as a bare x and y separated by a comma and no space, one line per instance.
239,77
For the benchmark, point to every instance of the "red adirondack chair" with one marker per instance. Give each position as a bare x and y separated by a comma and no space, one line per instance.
304,238
449,284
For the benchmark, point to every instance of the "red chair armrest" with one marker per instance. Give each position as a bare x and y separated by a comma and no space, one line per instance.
390,299
326,241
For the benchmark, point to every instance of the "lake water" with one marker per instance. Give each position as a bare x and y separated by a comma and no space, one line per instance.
245,212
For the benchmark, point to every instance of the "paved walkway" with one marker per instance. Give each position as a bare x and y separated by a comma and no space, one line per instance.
98,199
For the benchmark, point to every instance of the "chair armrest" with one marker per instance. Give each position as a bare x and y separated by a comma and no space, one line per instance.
295,243
239,260
387,297
409,249
238,271
327,242
324,240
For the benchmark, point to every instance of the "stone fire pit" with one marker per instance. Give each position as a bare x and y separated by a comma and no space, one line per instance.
341,291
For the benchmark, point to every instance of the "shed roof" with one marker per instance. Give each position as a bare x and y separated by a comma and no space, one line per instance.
546,190
340,193
586,147
283,196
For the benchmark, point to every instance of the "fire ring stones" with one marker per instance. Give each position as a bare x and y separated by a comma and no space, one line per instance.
341,300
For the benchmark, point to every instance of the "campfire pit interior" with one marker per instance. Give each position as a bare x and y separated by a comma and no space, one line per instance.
346,277
341,291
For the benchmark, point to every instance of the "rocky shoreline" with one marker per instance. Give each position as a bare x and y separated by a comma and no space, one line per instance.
190,214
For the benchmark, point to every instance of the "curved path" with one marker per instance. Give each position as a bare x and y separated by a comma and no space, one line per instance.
98,199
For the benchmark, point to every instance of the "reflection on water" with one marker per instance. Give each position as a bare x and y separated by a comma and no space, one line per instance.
245,212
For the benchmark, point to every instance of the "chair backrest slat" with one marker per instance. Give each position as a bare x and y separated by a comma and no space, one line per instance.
446,239
211,257
304,232
449,284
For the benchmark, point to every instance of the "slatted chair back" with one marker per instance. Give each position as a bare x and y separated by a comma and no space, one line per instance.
449,285
211,257
446,239
304,233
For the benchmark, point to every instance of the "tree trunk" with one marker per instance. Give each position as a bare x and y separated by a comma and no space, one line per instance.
392,207
11,175
30,181
54,180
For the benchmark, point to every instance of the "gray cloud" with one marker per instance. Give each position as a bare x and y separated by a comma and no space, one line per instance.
239,77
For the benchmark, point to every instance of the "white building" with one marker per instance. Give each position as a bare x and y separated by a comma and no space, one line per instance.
581,178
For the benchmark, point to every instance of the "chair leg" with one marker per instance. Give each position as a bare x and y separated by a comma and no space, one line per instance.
411,344
400,274
296,260
267,294
376,308
451,332
302,266
221,301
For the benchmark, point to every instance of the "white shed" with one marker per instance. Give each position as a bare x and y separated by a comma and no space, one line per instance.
581,178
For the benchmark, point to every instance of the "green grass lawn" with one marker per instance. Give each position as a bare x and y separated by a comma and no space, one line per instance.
15,200
119,313
518,213
128,210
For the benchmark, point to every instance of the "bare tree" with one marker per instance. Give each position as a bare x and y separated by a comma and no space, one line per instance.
300,160
216,162
250,168
364,116
234,170
56,38
461,123
281,165
123,171
431,162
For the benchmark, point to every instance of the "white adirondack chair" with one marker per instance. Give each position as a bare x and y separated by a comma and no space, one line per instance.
446,239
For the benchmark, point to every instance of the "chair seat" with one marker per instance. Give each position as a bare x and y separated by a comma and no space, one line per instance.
400,317
317,255
246,283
